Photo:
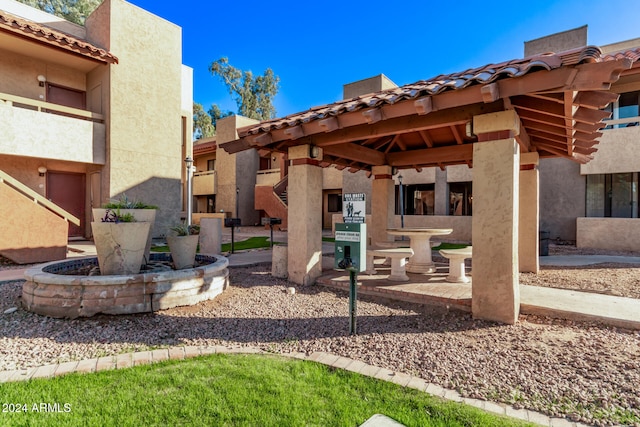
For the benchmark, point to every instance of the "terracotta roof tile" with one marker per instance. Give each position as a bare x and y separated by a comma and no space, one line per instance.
436,85
444,82
44,34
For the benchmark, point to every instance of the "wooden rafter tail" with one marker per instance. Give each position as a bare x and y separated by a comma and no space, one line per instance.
569,110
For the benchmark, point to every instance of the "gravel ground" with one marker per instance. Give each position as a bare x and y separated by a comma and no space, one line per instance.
583,371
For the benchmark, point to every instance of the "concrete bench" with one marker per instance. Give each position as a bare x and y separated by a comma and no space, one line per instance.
456,259
398,258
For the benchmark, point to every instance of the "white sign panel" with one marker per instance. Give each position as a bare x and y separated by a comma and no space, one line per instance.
353,208
348,236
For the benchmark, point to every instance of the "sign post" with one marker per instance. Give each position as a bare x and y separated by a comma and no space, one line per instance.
233,223
350,248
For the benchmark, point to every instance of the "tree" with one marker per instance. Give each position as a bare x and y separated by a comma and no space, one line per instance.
202,124
253,95
216,114
72,10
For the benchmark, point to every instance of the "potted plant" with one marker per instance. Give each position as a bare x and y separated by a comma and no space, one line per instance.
143,213
183,244
120,242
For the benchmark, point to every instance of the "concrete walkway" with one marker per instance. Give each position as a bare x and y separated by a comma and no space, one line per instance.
184,352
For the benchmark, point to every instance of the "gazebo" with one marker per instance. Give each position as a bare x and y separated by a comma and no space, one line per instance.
499,119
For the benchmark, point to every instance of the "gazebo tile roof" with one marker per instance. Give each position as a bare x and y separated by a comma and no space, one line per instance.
436,85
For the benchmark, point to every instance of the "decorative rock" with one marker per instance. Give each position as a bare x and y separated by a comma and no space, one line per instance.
291,290
11,310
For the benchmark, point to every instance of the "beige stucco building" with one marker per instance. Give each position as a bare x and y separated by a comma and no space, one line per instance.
90,113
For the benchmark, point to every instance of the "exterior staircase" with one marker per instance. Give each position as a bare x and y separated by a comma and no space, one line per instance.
34,229
273,200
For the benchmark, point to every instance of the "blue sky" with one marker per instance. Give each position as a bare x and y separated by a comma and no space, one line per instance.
316,47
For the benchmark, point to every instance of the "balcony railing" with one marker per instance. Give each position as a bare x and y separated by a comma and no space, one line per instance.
622,123
41,129
268,177
34,104
205,183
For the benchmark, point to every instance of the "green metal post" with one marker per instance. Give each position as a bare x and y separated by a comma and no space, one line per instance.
352,301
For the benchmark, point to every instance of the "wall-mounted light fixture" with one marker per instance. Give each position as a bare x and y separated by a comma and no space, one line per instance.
41,79
42,170
314,151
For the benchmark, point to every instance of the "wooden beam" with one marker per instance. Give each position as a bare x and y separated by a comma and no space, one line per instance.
599,75
357,153
294,132
329,124
426,138
400,143
568,114
490,93
456,135
423,105
523,137
431,156
262,140
236,146
404,125
590,116
595,99
373,115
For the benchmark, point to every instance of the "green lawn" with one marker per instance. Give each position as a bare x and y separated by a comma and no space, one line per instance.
230,390
250,243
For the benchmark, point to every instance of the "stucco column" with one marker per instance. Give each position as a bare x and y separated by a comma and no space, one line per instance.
304,194
529,213
236,173
441,205
496,167
382,204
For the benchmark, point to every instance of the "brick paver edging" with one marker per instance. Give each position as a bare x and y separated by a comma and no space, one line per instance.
128,360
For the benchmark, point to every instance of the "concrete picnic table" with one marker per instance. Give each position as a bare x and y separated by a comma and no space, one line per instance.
420,242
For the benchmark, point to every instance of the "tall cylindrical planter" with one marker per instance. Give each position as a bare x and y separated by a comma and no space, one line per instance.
141,215
120,246
183,250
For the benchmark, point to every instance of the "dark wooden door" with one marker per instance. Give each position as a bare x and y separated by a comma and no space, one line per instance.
67,190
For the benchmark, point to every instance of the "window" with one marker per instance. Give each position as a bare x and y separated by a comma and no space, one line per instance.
460,199
334,202
211,165
418,199
612,195
627,106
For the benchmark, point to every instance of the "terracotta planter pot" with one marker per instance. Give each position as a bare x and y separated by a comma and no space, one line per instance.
141,215
120,246
183,250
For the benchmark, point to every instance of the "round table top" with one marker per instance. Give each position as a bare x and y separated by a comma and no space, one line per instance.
418,231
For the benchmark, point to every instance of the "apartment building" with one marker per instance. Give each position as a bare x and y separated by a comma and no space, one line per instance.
89,113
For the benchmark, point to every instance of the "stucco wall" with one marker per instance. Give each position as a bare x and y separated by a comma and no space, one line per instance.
562,197
459,173
23,243
331,178
617,152
18,75
609,233
144,99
